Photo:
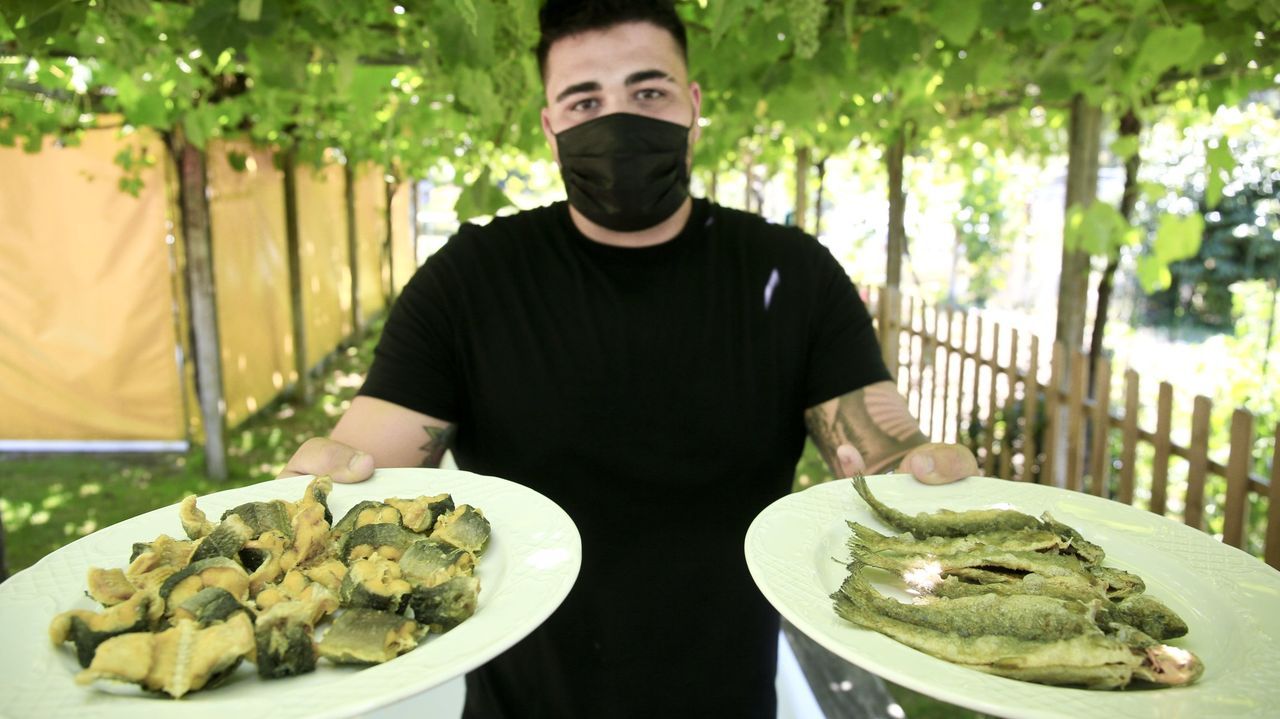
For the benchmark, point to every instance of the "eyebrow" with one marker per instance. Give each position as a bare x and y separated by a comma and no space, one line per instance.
632,79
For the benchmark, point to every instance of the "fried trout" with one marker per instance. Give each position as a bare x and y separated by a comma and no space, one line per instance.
1034,638
998,526
945,523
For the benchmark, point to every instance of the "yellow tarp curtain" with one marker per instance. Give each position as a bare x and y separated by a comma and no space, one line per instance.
251,278
87,338
406,261
92,297
326,273
371,234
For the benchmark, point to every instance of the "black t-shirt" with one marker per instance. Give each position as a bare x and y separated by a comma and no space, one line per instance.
657,395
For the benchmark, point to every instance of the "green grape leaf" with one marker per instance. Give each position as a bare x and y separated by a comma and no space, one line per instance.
1125,147
195,131
201,125
238,161
1168,47
956,20
997,14
1219,162
149,111
250,10
1093,14
1052,29
127,91
1152,191
217,26
1056,86
889,44
465,33
1095,230
1178,237
475,93
480,198
724,17
1153,274
37,22
960,75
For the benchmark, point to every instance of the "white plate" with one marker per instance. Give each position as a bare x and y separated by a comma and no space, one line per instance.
527,569
1231,601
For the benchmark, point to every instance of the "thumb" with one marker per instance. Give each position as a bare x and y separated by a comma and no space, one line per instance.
938,463
851,461
320,456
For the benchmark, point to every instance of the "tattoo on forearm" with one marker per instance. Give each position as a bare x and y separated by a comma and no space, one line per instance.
438,440
874,419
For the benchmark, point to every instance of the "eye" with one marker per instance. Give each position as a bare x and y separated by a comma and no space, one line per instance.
650,93
584,105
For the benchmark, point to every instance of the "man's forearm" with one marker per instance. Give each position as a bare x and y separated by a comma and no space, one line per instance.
874,419
394,435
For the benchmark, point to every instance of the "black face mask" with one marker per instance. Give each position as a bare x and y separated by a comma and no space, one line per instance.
625,172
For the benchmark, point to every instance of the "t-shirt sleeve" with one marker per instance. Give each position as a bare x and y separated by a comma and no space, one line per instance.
415,363
844,353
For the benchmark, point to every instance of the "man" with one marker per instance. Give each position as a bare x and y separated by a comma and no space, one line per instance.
649,362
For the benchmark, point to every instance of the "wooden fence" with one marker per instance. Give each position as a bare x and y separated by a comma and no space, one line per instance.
1032,417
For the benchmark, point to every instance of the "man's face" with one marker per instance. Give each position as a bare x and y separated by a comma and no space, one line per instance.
633,67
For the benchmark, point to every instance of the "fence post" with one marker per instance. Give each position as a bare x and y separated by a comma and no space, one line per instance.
961,367
1129,451
1238,478
1010,402
976,381
1273,506
948,354
1160,466
4,564
993,401
1076,421
1198,461
914,349
1100,463
1030,452
1052,441
935,346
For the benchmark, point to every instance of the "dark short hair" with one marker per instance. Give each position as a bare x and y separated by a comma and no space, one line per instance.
559,19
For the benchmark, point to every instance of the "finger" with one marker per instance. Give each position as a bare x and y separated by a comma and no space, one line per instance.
940,463
320,456
851,461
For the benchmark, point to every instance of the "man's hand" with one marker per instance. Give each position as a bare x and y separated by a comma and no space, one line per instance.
933,463
870,430
343,463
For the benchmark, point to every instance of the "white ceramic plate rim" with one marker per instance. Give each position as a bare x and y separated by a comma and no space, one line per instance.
527,570
1231,600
